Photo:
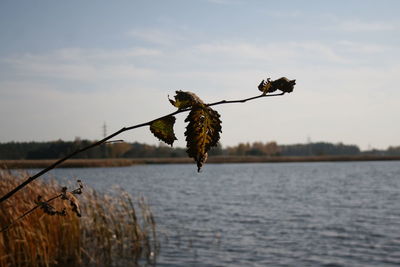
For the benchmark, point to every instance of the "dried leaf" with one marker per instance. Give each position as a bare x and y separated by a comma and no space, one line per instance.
70,196
164,129
64,193
74,203
185,100
78,190
47,208
202,132
283,84
265,86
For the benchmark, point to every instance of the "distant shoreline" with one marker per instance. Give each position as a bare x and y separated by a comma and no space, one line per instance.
119,162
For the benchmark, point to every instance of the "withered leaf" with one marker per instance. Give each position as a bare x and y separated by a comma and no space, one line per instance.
265,86
164,129
74,203
47,208
202,132
185,99
283,84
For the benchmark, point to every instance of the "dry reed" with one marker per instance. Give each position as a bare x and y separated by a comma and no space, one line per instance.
109,233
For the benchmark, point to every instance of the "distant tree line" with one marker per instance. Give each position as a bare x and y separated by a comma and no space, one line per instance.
59,148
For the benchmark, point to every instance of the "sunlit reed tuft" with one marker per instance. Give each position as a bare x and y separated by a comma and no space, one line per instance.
112,231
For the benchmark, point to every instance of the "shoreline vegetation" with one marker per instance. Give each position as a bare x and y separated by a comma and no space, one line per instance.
113,230
122,162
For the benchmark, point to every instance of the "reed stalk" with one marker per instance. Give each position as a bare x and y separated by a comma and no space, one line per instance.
111,231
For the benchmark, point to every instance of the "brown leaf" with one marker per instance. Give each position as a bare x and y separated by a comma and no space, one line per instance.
164,129
74,203
202,132
185,100
283,84
265,86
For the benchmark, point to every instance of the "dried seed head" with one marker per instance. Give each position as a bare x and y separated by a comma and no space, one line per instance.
78,191
47,208
63,212
74,203
64,193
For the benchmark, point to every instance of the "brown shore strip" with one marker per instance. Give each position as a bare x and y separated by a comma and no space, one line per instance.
77,163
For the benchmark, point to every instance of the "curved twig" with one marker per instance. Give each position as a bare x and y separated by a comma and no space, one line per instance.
105,139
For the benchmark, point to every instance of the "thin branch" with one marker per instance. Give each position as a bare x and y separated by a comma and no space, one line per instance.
242,100
105,139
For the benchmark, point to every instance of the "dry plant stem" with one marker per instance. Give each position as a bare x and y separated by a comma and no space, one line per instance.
26,213
104,140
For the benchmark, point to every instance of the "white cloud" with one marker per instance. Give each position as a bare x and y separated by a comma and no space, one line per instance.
330,97
84,65
366,26
79,54
205,62
155,36
226,2
320,50
275,52
287,14
366,48
122,54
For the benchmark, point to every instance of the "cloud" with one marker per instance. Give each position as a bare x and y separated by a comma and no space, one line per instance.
78,54
275,52
155,36
364,48
366,26
287,14
211,64
277,55
225,2
210,61
320,50
86,65
333,90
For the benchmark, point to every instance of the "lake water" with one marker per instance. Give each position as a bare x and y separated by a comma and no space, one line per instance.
269,214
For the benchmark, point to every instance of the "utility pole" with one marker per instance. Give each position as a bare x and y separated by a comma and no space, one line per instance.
104,129
105,150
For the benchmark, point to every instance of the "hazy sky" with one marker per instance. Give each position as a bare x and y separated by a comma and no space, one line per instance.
66,67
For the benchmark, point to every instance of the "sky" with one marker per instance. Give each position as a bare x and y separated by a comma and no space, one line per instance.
68,67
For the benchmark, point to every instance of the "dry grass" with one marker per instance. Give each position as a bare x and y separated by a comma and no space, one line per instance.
117,162
109,233
78,163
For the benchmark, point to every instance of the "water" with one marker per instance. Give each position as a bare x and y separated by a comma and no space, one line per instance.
283,214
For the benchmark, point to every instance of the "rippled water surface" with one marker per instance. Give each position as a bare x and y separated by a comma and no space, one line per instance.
296,214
